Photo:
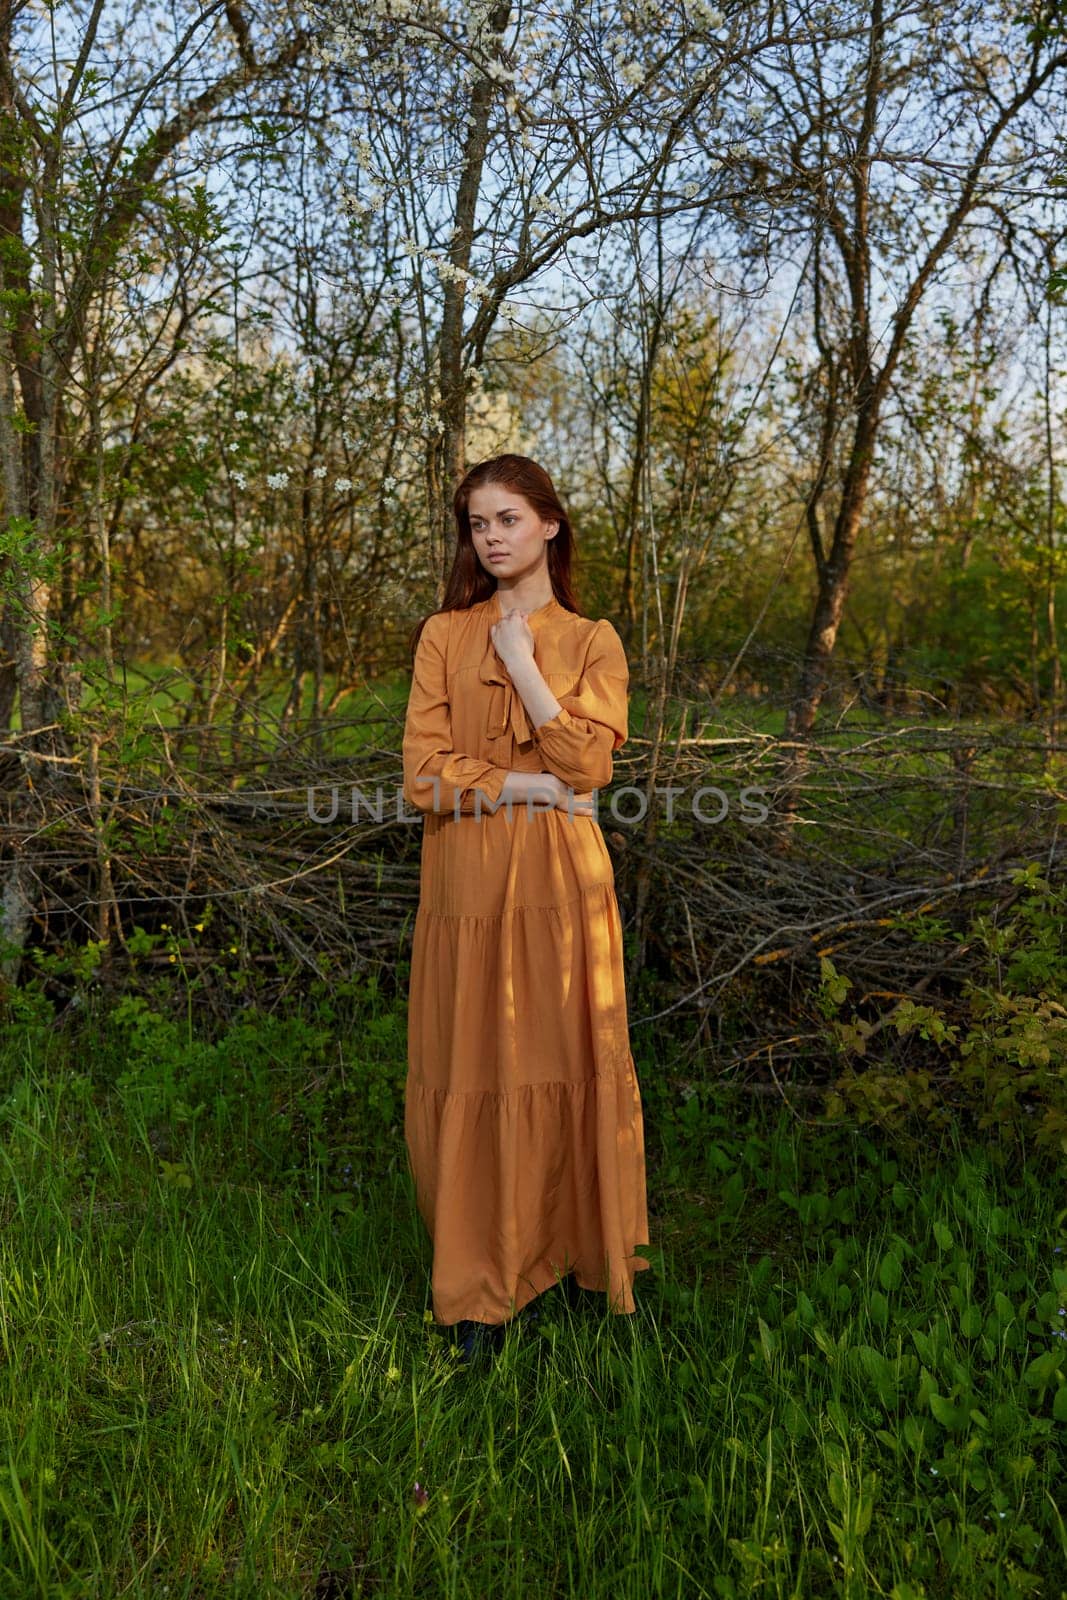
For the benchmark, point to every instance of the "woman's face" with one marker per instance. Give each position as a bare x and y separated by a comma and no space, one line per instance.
505,526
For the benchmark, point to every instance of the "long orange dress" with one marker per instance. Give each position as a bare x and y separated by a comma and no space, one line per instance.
522,1117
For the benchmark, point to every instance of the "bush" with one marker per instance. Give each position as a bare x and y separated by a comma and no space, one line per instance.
999,1057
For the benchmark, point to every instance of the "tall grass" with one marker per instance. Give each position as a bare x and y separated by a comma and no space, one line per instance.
846,1373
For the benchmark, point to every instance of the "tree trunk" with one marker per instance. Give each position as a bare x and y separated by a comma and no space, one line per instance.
833,580
446,453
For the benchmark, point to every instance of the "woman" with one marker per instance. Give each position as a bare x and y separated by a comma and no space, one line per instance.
523,1115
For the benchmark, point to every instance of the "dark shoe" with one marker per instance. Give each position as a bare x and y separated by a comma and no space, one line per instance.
530,1315
576,1297
563,1292
478,1341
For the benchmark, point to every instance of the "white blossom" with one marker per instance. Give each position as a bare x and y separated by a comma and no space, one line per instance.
318,472
277,480
342,485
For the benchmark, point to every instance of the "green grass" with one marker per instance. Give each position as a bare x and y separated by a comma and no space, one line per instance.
843,1377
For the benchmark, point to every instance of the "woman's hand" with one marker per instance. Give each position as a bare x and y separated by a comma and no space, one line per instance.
546,789
580,804
512,638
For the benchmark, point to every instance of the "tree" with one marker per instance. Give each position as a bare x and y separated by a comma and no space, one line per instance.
85,158
883,153
500,143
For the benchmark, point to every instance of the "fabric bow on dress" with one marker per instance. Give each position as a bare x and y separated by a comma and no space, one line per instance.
507,707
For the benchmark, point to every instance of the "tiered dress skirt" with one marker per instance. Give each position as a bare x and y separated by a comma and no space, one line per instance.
523,1115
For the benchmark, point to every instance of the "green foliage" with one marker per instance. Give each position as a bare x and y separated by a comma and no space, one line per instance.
323,1083
1000,1058
846,1374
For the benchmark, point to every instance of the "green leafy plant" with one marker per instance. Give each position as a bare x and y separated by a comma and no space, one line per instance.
1000,1058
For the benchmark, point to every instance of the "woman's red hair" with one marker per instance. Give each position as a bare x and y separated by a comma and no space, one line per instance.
468,582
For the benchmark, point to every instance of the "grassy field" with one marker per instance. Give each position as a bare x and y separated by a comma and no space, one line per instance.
846,1375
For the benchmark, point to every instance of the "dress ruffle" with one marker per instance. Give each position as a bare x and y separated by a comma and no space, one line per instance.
513,1171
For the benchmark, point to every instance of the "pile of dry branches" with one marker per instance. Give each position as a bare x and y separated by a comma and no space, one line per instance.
299,865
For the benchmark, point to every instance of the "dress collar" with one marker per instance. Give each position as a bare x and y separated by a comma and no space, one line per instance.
507,707
535,618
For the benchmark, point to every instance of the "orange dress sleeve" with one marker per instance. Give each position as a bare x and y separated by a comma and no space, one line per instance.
578,743
435,774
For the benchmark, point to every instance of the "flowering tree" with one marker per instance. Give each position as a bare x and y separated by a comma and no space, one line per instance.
77,180
499,144
87,157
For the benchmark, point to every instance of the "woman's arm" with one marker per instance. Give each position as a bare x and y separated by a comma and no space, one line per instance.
533,691
578,741
544,787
